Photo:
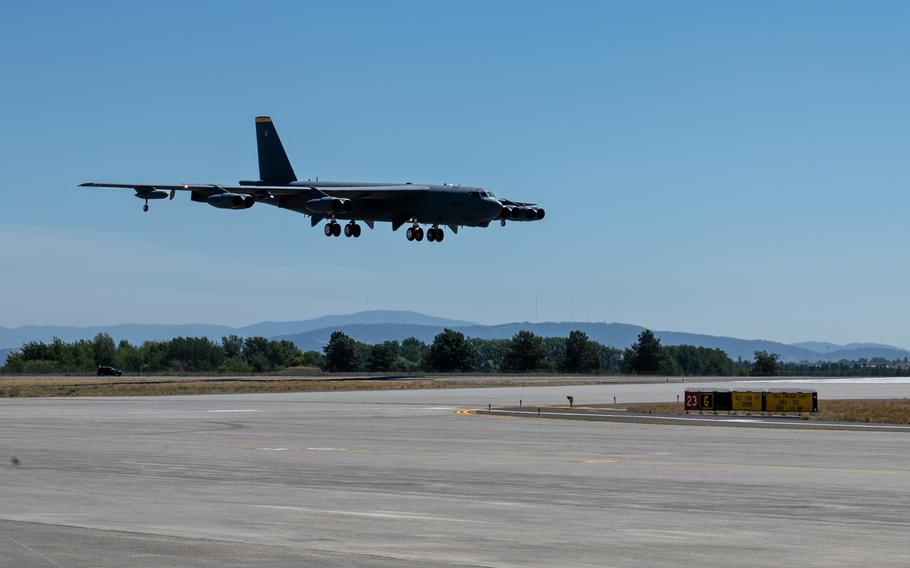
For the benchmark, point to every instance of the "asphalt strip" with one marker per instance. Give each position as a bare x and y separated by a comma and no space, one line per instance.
729,421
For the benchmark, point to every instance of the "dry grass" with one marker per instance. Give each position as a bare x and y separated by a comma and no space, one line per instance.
894,411
115,386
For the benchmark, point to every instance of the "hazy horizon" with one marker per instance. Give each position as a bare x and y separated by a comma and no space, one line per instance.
468,323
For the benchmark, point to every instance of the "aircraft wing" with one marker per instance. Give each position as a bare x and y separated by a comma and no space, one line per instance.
353,192
509,203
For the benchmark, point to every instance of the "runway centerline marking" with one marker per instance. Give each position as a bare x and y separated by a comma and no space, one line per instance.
374,514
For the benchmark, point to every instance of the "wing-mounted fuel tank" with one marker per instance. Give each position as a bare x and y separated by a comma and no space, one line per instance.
327,205
152,194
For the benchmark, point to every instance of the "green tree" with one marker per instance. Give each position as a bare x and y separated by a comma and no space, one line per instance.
413,354
255,353
648,357
194,354
525,352
232,346
701,361
103,349
340,353
582,354
489,354
766,364
312,359
383,356
450,351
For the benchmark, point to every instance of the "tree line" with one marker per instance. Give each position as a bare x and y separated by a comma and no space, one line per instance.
450,351
180,355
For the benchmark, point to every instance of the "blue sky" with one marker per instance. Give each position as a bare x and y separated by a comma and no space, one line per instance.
735,168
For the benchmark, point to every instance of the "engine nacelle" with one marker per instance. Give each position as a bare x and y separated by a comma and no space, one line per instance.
527,214
231,201
328,205
505,213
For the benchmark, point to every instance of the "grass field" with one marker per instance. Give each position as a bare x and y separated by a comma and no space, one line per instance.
163,386
896,411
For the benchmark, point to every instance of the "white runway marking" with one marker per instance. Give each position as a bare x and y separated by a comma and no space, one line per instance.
374,514
617,415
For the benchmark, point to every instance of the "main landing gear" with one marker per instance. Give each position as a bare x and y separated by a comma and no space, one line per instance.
434,234
145,208
333,229
414,233
352,229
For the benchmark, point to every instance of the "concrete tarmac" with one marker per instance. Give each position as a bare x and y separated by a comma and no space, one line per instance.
399,479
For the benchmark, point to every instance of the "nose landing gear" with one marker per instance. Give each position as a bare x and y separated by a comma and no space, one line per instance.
145,208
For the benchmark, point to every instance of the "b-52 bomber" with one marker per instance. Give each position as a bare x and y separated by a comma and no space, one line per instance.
400,204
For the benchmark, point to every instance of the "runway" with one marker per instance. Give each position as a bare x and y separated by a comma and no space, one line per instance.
399,479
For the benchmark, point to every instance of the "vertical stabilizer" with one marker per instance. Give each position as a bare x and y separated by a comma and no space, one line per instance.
274,166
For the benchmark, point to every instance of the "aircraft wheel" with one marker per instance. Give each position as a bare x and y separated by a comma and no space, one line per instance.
411,234
145,208
348,230
431,235
328,229
440,234
356,230
336,230
419,234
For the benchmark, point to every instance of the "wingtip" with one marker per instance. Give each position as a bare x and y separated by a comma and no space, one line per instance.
86,184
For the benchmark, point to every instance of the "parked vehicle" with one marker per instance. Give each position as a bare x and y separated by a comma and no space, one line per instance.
108,371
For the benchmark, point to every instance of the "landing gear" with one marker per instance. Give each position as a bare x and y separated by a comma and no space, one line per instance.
145,208
352,229
332,229
502,222
414,233
435,234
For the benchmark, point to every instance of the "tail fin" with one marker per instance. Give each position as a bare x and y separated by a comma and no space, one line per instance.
274,166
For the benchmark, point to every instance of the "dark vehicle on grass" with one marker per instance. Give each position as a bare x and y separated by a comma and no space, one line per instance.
108,371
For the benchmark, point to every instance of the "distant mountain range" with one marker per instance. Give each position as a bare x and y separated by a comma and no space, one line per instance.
380,325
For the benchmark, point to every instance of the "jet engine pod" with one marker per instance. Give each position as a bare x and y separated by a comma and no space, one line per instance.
328,205
540,214
231,201
523,214
505,213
